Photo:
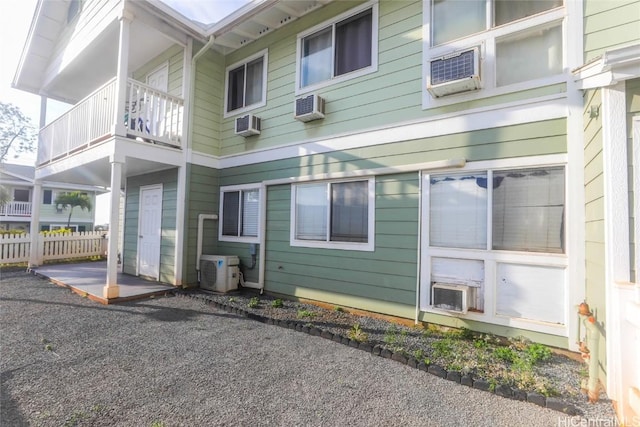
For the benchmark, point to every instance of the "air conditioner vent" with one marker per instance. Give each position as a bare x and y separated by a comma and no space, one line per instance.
450,297
454,73
248,125
309,108
219,273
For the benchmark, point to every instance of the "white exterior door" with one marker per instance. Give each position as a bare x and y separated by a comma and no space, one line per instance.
149,229
158,79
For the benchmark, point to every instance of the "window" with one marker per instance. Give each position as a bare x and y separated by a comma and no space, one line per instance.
338,49
527,208
453,19
518,42
246,84
21,195
47,197
240,214
333,214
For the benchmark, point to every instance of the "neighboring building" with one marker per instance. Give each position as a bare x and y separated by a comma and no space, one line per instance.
444,163
17,212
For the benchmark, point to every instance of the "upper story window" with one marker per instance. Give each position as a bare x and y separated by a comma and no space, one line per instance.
74,9
246,84
335,215
47,197
517,45
21,195
336,50
240,213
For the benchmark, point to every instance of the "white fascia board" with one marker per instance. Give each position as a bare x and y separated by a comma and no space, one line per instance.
25,49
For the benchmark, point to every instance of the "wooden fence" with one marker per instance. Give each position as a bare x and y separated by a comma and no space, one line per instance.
15,248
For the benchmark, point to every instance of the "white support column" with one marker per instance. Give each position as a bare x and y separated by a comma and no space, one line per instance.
34,228
111,288
121,74
616,225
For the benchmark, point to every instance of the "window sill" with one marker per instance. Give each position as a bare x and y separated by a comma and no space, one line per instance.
252,239
344,246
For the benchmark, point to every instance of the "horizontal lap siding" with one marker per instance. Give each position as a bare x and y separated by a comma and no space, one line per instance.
387,274
201,198
174,56
610,24
207,108
168,179
388,94
383,280
594,210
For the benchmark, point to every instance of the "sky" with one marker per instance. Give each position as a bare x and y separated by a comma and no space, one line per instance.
15,20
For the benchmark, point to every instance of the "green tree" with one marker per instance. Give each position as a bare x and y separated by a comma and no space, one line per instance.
71,200
16,132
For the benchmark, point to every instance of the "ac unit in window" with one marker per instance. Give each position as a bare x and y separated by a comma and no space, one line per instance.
248,125
454,73
451,297
309,108
219,273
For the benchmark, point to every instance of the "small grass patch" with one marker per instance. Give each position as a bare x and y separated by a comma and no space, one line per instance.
254,302
357,334
303,314
277,303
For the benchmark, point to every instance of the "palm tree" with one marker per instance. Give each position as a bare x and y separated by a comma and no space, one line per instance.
73,199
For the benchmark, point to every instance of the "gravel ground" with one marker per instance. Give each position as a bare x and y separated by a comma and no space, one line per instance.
176,361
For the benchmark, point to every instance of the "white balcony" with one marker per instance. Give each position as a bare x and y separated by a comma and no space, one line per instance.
16,209
150,116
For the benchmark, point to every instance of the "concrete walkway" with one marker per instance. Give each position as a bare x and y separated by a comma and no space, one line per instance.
173,361
90,277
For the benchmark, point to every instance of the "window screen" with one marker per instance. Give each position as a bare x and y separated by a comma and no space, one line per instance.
458,210
528,210
230,210
47,196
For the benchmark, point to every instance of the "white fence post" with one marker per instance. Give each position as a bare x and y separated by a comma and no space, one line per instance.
16,248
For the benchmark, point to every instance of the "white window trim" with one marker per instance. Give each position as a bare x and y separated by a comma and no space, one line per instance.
493,257
241,187
373,5
369,246
265,65
486,42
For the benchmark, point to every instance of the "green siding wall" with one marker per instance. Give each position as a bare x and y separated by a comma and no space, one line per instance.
610,24
390,95
168,179
384,280
594,215
207,110
388,274
175,57
202,190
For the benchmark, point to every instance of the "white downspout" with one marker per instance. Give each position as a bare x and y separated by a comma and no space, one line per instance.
419,247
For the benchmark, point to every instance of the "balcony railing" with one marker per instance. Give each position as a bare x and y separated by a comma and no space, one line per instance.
150,116
16,209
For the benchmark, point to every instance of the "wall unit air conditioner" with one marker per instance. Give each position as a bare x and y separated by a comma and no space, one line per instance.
451,297
219,273
309,108
248,125
454,73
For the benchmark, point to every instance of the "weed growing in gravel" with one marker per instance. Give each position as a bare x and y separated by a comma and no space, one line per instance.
338,309
357,334
277,303
483,357
157,424
254,302
305,313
